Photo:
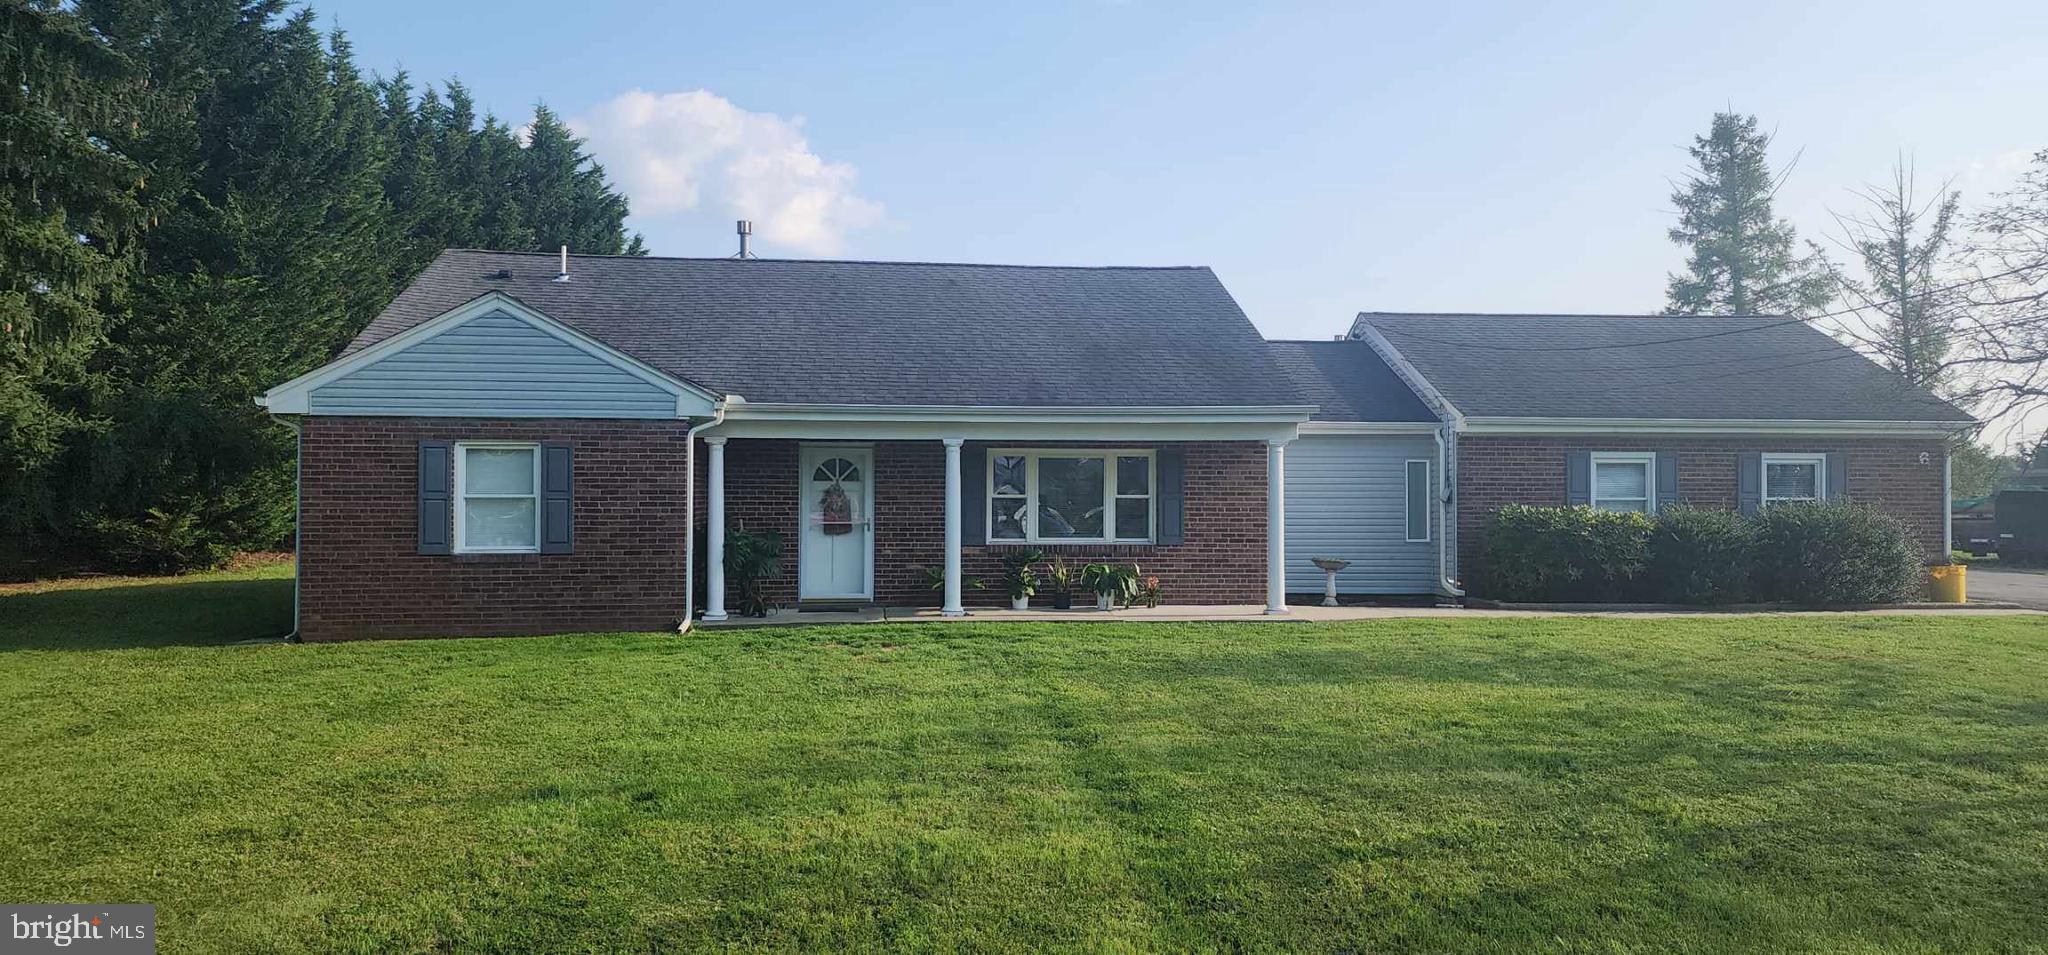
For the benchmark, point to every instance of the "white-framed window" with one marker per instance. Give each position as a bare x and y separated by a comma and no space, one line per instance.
1418,500
1624,481
497,498
1071,496
1795,477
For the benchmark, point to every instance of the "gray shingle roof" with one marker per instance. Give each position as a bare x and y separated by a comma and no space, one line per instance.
1609,366
887,332
1348,382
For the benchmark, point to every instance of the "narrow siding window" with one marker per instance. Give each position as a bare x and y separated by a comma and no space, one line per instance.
1418,500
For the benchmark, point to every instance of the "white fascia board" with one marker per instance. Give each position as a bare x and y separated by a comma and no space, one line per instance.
294,396
1368,427
1021,414
911,423
1408,373
1710,426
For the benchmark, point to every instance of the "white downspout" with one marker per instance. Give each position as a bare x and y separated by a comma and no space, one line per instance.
1443,510
1948,506
298,516
690,515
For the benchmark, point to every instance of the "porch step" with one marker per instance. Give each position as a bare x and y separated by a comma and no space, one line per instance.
833,606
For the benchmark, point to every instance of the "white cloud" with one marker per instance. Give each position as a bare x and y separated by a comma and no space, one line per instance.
677,152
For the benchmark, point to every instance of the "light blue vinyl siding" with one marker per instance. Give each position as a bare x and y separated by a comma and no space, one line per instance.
493,366
1347,497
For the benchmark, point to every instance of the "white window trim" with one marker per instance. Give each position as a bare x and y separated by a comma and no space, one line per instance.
1109,494
1648,459
1820,476
1408,491
461,495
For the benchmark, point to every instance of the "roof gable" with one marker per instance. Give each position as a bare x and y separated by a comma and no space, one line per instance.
491,356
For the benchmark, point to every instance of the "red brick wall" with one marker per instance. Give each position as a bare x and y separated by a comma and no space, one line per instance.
1493,471
1221,561
360,573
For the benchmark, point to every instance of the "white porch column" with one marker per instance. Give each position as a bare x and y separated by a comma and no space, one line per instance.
952,606
1276,526
714,521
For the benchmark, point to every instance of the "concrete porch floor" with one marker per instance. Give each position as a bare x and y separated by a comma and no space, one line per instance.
1237,613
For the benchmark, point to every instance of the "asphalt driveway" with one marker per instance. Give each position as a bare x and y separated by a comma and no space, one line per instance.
2028,588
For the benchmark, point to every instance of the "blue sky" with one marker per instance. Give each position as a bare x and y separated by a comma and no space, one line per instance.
1323,158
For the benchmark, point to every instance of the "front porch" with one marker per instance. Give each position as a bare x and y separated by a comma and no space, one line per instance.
868,526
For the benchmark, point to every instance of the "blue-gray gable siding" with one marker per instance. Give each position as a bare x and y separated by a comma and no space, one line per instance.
498,366
1347,498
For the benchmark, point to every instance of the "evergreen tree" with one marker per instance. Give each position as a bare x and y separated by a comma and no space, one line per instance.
70,210
1908,308
287,200
1741,257
566,198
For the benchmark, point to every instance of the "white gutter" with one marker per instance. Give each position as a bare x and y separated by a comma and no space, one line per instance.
1747,426
690,513
1368,427
298,515
1443,511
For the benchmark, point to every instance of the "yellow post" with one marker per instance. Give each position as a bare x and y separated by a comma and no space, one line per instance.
1946,584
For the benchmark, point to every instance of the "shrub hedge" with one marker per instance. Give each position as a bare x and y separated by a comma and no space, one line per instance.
1844,553
1814,554
1568,554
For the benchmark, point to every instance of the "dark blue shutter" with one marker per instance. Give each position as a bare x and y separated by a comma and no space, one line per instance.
436,472
1838,476
1667,478
1749,482
557,499
1578,478
974,495
1172,513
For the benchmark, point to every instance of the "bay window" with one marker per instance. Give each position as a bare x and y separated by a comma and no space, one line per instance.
1070,496
497,498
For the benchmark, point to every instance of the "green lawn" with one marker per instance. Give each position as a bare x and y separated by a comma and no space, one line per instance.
1843,783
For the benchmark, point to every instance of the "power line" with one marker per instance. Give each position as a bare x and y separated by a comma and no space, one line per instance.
1716,334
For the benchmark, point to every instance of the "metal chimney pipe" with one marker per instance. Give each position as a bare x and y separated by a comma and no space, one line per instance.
563,275
746,231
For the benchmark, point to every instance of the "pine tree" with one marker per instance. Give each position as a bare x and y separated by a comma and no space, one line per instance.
70,211
287,201
1908,309
1741,258
566,198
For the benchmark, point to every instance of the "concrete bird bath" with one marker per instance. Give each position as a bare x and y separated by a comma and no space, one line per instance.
1330,566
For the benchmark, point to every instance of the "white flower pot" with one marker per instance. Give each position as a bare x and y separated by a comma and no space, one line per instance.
1102,601
1020,603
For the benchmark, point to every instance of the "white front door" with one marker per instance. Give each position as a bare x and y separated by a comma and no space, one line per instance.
836,542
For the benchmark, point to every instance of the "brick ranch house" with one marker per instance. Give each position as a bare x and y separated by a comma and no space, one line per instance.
520,444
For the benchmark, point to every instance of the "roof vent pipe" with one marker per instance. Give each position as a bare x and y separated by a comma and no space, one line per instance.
746,230
563,275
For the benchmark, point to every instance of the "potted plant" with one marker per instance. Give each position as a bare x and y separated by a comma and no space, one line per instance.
1112,584
935,577
1019,579
1059,580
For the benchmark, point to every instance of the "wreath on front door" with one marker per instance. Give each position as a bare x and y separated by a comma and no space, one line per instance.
835,510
